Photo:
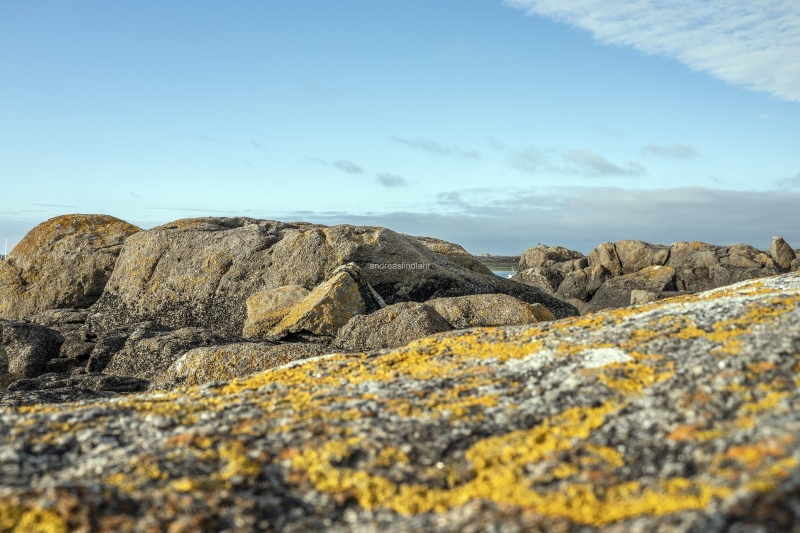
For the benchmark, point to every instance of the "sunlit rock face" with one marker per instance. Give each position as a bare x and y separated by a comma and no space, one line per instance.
678,415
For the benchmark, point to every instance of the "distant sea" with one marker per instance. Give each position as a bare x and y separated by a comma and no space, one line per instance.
502,273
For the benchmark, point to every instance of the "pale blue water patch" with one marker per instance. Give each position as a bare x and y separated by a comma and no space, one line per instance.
503,273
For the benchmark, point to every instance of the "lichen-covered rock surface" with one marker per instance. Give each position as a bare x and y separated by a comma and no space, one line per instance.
63,262
488,310
199,272
681,415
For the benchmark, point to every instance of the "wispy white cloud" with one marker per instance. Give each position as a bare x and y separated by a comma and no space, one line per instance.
433,147
676,151
593,165
755,44
348,166
530,160
387,179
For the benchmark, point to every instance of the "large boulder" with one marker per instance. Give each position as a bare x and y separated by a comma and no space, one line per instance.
320,315
701,266
546,256
678,416
456,254
488,310
235,360
605,255
543,278
63,262
151,348
200,272
782,253
25,349
582,284
266,309
638,255
391,327
616,292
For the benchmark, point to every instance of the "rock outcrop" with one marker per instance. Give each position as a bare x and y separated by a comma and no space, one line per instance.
391,327
149,349
681,415
547,256
616,292
320,315
236,360
200,272
70,324
782,253
63,262
488,310
266,309
25,349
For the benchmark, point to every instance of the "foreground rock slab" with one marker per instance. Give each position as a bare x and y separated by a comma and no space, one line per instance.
681,415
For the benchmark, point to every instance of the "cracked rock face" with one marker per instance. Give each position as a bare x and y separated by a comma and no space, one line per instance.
200,272
675,416
63,262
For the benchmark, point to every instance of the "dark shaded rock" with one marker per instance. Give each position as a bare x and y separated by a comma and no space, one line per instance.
63,365
94,382
782,253
200,272
795,265
70,323
701,266
25,349
36,397
546,256
236,360
582,284
151,348
637,255
616,292
488,310
109,343
543,278
391,327
63,262
566,267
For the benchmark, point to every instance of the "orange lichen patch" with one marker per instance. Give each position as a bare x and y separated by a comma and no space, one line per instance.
633,377
754,455
20,519
768,403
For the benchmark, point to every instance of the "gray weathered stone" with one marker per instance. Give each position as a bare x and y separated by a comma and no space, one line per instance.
582,284
151,348
637,255
542,278
701,266
25,349
640,297
782,253
546,256
488,310
63,262
266,309
391,327
605,255
616,292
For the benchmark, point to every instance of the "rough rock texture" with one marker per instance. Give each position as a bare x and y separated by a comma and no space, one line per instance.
266,309
151,348
95,382
583,284
237,360
456,254
782,253
616,292
542,278
795,265
564,268
70,323
639,297
109,343
606,256
701,266
23,398
488,310
391,327
63,262
25,349
638,255
681,416
546,256
327,308
200,272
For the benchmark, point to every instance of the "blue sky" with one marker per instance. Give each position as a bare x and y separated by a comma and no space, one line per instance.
494,124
